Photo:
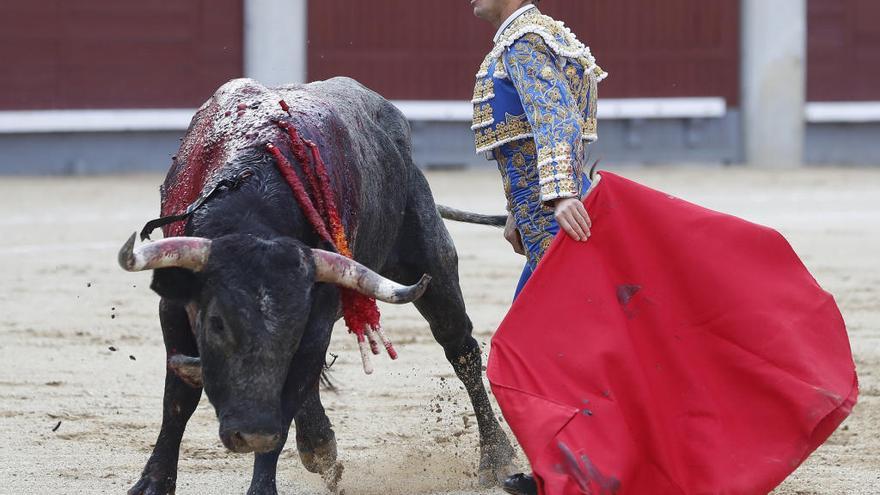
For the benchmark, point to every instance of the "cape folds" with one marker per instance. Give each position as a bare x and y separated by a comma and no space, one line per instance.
678,351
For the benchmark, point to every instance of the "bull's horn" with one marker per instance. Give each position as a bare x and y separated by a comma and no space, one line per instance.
337,269
188,369
182,252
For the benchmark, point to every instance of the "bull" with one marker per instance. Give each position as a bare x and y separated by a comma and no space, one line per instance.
249,292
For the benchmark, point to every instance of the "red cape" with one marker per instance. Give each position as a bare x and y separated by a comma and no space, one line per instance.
678,351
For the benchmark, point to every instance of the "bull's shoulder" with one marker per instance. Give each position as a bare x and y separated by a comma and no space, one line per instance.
354,102
350,92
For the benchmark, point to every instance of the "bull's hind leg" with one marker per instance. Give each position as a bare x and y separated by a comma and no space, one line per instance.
444,309
427,248
160,474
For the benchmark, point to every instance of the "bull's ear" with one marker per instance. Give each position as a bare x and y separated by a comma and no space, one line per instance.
176,284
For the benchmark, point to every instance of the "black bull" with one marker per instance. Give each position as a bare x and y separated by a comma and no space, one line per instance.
246,308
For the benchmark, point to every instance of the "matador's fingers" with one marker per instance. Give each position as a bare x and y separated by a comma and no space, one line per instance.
583,211
582,219
568,227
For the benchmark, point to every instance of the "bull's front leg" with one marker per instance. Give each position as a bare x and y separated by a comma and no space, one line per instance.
315,442
315,439
160,474
266,467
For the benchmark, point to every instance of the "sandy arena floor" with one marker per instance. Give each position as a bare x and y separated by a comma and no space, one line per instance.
405,430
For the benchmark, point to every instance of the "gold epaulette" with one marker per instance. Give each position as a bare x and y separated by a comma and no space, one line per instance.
556,35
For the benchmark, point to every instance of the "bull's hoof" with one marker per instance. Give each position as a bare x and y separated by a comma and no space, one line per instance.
148,485
320,459
496,462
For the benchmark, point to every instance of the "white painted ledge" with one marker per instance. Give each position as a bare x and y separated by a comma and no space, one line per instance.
662,108
843,112
436,111
609,108
178,119
60,121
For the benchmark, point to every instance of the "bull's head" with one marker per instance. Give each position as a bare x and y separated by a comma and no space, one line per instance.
248,301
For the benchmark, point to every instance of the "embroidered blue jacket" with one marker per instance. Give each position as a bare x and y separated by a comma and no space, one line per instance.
534,108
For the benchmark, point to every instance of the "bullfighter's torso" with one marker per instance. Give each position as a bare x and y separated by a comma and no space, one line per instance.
534,111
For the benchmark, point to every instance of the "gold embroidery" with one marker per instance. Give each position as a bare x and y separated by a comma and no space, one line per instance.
557,172
545,154
558,38
594,99
484,67
484,89
512,128
565,188
590,128
576,69
482,115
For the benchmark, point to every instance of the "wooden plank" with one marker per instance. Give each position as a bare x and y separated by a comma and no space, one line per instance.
843,50
111,54
675,48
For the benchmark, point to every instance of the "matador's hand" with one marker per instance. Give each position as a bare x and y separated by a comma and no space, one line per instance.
511,233
573,218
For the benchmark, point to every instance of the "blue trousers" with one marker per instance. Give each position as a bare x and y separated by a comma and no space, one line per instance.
526,274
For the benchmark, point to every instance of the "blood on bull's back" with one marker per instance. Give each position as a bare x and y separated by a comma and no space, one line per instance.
347,126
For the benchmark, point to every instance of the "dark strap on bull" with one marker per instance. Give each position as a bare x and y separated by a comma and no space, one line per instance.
228,183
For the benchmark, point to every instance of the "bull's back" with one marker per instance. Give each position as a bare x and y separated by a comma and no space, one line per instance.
363,139
368,145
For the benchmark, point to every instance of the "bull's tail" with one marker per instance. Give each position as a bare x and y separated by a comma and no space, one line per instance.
493,220
468,217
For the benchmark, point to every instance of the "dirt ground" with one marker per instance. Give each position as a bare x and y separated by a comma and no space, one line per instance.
408,428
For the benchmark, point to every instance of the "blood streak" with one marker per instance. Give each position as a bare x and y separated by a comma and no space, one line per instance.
359,312
198,160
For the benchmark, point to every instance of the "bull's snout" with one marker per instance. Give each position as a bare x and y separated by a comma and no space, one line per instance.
250,426
242,442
